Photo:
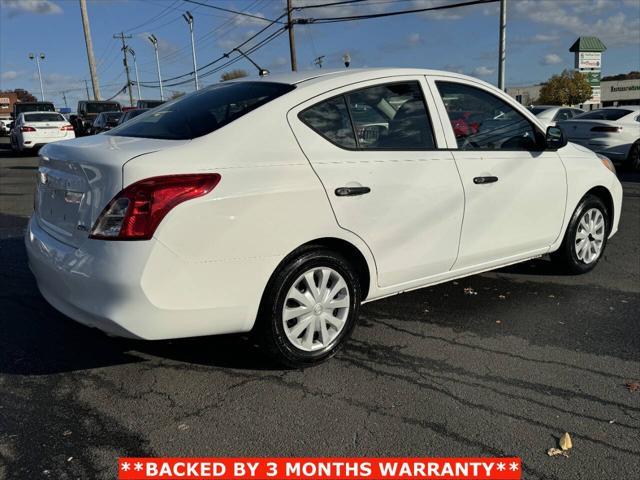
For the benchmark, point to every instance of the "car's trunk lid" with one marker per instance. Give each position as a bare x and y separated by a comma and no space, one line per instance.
576,130
77,179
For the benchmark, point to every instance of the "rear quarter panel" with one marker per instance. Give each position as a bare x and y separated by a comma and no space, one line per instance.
225,246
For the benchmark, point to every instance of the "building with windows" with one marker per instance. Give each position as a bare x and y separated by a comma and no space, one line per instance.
7,99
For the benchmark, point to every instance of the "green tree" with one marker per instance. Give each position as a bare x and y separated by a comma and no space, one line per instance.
233,74
568,88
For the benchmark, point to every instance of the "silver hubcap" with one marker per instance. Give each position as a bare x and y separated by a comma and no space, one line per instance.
590,236
316,309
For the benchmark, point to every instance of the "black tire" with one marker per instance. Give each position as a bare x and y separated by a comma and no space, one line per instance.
633,159
567,256
270,328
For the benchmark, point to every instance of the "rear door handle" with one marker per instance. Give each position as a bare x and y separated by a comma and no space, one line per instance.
351,191
483,180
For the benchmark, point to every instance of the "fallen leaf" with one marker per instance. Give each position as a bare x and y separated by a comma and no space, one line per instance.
565,442
502,297
632,386
470,291
66,433
554,452
498,321
183,426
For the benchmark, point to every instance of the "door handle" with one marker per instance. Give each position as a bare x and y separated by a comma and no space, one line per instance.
351,191
483,180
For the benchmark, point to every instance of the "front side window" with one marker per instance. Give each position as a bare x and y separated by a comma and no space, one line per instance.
202,112
563,114
482,121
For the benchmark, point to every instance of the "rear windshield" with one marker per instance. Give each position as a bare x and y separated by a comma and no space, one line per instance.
102,107
202,112
44,117
604,114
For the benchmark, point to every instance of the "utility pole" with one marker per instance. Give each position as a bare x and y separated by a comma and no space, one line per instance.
318,61
37,59
292,40
503,39
135,66
64,97
92,61
122,37
86,85
189,19
154,41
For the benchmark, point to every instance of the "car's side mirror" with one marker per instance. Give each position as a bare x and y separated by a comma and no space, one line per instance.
555,138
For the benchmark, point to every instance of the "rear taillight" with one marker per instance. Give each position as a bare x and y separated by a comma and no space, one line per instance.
607,129
27,129
67,128
136,212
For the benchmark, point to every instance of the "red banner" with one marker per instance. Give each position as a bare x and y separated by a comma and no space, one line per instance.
320,468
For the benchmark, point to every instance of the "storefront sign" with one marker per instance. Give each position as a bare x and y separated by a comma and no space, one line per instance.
591,60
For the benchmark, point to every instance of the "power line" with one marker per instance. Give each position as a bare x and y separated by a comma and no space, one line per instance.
153,19
231,11
391,14
225,55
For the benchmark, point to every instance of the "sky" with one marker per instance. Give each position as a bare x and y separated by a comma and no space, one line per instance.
539,34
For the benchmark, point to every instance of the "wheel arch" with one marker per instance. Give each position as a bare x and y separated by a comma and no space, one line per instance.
603,194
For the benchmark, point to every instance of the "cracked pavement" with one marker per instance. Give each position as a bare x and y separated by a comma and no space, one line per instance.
434,372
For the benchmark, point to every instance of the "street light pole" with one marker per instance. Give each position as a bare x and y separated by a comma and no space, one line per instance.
189,19
503,39
37,59
135,66
154,41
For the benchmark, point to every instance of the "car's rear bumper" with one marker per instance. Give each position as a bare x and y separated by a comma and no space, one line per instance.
133,289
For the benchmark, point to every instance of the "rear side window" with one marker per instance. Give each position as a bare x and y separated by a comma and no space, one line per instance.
604,114
401,123
482,121
43,117
201,112
383,117
331,120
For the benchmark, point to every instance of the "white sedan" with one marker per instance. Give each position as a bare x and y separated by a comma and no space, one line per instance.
550,115
267,205
611,131
32,130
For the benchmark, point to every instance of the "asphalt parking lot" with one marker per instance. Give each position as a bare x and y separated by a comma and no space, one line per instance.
499,364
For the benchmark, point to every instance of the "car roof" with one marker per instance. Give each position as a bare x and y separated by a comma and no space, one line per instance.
312,77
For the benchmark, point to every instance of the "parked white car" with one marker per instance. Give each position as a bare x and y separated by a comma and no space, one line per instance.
611,131
32,130
263,204
549,115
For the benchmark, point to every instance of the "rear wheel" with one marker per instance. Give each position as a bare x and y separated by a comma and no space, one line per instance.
309,309
586,236
633,159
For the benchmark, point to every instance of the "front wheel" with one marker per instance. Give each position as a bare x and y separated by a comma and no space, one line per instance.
633,159
586,236
309,309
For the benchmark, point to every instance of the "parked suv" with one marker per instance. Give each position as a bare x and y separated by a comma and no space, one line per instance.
88,111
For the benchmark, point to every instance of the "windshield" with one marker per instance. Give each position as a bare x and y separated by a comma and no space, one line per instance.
43,117
537,110
202,112
604,114
102,107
